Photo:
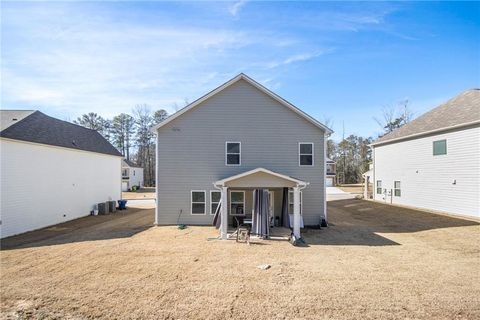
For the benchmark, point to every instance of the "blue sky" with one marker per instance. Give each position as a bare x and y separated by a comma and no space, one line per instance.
341,61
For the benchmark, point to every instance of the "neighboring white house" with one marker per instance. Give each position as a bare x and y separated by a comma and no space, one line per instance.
52,171
132,175
433,162
331,173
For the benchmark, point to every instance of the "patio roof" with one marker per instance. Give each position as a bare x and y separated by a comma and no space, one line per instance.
260,178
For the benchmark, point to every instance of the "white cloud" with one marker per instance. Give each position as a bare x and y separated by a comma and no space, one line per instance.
294,58
236,7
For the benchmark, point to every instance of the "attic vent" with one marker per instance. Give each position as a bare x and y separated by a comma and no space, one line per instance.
14,119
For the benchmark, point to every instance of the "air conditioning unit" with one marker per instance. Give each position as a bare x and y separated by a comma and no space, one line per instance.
112,206
102,208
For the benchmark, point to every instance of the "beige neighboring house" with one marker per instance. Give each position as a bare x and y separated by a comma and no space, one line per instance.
132,175
52,171
433,162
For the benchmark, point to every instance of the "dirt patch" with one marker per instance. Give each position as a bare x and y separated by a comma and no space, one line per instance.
384,263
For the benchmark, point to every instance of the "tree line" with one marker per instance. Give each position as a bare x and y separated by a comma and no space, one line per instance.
353,153
131,135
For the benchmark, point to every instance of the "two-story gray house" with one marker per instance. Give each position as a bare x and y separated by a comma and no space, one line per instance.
241,137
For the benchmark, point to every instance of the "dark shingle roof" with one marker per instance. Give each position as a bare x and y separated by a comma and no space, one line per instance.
460,110
40,128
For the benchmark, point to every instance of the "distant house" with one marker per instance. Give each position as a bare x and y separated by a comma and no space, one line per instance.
52,171
433,162
132,175
241,152
331,173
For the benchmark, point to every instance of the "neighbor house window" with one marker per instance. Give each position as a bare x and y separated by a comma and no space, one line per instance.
125,173
396,189
233,153
237,203
198,202
379,186
290,201
439,147
214,200
305,154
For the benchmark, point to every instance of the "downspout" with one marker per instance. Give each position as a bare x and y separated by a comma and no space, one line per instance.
324,222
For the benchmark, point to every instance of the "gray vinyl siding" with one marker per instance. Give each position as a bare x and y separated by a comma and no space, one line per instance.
191,151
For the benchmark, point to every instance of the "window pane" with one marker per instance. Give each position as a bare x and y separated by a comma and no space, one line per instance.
236,208
216,196
290,208
213,208
198,196
233,159
379,183
306,160
397,193
306,148
198,208
439,147
233,147
290,197
397,184
236,196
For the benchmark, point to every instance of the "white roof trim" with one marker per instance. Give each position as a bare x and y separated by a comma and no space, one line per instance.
263,170
256,85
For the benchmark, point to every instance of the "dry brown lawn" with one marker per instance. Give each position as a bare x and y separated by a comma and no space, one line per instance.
373,262
143,193
353,188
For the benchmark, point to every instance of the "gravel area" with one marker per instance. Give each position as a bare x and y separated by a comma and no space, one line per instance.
373,262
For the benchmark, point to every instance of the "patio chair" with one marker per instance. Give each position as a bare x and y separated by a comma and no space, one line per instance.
243,231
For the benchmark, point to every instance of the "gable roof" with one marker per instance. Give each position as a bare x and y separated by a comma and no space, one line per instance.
128,163
257,85
260,170
40,128
460,111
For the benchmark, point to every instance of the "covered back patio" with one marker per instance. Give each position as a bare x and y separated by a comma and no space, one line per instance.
273,199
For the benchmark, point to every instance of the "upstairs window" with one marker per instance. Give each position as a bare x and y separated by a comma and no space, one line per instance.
233,153
198,202
439,147
379,186
305,154
396,189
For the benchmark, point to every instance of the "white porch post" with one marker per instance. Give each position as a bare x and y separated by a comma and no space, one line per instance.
296,212
224,213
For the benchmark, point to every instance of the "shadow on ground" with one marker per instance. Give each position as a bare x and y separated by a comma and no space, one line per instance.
358,222
122,224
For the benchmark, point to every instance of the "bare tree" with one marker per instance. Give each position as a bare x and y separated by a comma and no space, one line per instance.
394,117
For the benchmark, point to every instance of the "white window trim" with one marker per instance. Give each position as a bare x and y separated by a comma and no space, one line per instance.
239,154
230,203
191,202
211,200
395,189
376,186
291,203
306,154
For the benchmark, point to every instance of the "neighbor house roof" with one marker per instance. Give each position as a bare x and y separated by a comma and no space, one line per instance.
460,111
257,85
128,163
40,128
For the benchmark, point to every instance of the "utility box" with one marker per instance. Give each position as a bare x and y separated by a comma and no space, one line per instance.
103,207
112,206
